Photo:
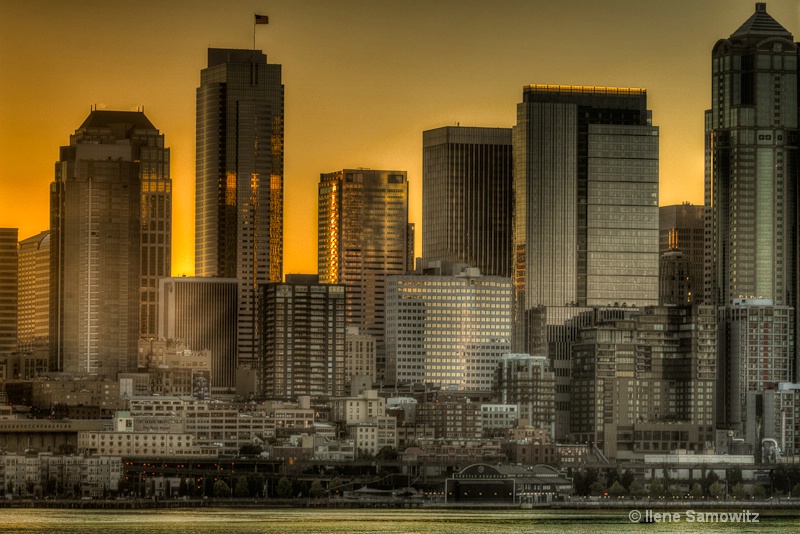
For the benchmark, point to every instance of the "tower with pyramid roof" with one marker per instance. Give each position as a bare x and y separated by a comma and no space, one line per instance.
751,264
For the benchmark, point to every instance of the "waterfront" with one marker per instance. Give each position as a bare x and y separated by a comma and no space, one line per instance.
357,521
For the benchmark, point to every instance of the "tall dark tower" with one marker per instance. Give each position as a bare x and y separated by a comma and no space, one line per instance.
239,204
752,166
585,216
466,197
110,240
751,214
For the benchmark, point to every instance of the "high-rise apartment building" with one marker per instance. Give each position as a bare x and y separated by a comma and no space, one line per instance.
529,382
681,242
239,180
34,292
9,277
448,327
752,164
109,216
756,347
646,384
467,197
303,336
202,313
362,239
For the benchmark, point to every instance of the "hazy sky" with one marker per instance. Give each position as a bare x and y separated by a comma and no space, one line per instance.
363,79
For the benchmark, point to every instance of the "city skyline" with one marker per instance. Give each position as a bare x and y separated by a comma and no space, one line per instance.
363,80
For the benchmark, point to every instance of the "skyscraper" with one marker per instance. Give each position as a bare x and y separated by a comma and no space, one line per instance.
104,223
585,216
752,164
362,239
751,206
466,197
239,178
34,292
586,189
9,277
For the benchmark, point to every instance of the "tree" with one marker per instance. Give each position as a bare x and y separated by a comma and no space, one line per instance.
657,488
716,490
284,488
250,449
617,489
241,490
221,489
636,489
333,485
183,488
796,490
626,479
759,491
597,488
317,490
387,453
738,491
697,491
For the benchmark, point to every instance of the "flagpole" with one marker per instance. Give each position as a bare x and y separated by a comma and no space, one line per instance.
254,31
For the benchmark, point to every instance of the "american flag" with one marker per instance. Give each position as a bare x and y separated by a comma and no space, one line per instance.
262,19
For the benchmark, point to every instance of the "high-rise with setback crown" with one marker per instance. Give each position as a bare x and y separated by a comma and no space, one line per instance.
109,242
751,213
752,165
239,180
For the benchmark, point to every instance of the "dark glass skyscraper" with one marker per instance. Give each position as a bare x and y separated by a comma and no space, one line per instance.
239,204
586,197
466,197
109,241
9,280
752,165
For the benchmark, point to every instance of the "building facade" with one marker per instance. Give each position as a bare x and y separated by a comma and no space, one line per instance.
359,354
239,180
586,189
752,165
9,280
362,239
757,340
34,292
649,375
467,197
681,242
202,314
448,328
303,338
529,382
100,218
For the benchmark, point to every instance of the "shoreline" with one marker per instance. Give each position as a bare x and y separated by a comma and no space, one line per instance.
785,508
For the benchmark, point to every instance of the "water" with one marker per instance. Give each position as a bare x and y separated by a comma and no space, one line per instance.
355,521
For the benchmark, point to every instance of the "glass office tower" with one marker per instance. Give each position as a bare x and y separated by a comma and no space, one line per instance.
239,177
585,216
362,239
109,241
466,197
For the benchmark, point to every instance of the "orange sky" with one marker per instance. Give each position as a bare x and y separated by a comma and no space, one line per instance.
363,80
